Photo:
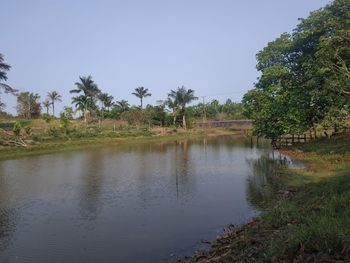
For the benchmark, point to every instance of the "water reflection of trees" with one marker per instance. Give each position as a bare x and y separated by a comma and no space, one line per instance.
8,214
184,168
92,171
261,184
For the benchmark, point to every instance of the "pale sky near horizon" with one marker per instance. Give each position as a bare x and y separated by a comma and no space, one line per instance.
205,45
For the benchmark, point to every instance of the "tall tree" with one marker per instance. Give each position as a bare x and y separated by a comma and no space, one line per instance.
89,92
3,77
304,76
47,105
141,93
54,96
182,97
123,105
173,105
28,105
106,102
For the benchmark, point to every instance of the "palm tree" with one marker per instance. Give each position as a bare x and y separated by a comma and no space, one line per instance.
106,100
123,105
172,104
141,93
54,96
3,77
81,103
90,91
47,105
182,97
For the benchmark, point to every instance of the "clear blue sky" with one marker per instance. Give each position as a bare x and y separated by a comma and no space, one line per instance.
205,45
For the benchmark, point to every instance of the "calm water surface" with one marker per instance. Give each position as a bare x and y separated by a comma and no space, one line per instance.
139,203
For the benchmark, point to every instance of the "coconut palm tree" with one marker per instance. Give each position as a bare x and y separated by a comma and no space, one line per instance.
3,77
182,97
54,96
106,101
172,104
82,103
141,93
123,105
89,91
47,105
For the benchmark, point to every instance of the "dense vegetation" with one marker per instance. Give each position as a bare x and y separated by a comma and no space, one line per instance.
92,105
305,76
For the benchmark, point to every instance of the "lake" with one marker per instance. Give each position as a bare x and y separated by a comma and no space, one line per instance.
147,202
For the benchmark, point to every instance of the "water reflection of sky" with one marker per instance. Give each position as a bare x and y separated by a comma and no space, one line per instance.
130,203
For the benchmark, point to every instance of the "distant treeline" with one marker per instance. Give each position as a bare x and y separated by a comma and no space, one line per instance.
305,76
91,103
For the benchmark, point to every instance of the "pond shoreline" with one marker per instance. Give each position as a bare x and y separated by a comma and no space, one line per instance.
299,218
59,145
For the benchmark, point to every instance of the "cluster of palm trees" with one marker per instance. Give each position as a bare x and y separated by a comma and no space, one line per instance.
50,100
87,94
178,100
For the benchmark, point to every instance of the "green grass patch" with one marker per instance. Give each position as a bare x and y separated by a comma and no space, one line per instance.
8,125
306,219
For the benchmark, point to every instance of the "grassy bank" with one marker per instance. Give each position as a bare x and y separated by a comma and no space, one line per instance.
103,139
307,218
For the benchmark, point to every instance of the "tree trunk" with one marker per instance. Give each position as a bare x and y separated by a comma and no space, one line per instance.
184,121
102,112
85,111
174,118
141,103
53,109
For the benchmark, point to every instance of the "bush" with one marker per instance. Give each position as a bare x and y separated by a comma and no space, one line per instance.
28,130
17,127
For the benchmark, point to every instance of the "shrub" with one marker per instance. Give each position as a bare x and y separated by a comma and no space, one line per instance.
17,127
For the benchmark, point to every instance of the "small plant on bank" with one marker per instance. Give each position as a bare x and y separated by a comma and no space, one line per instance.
47,118
28,131
17,127
64,123
54,132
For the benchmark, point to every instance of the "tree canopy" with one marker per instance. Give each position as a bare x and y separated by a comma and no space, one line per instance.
305,76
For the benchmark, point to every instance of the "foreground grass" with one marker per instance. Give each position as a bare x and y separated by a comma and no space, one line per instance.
308,220
101,140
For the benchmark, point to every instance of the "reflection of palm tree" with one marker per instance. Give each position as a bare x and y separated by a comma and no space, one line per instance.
183,170
92,185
